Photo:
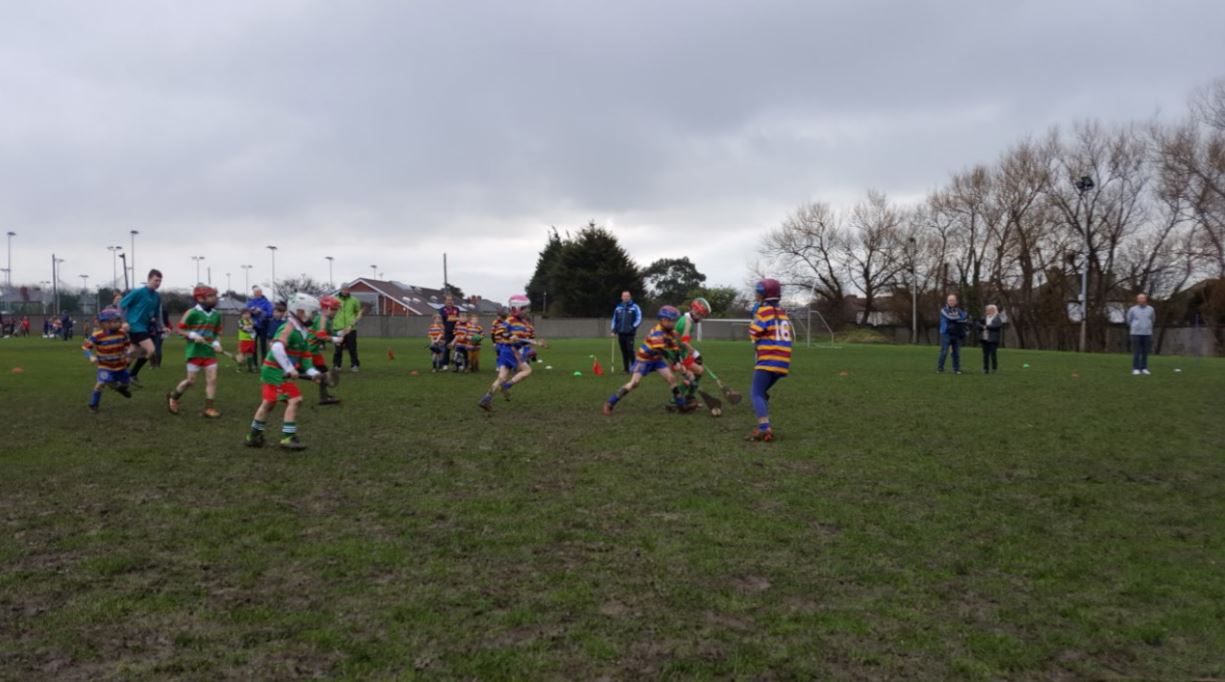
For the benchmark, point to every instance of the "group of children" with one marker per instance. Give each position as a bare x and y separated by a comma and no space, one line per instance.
463,350
296,351
668,350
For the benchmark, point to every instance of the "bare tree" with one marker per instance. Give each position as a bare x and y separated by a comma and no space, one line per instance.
873,253
806,251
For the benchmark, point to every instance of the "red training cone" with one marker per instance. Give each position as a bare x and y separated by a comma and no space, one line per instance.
596,369
391,355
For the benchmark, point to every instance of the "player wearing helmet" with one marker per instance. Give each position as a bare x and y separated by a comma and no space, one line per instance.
691,359
108,349
202,327
289,356
321,334
658,353
511,336
771,336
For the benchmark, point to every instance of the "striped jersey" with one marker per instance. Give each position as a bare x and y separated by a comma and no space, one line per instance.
519,331
474,334
660,344
206,323
497,332
110,347
461,334
771,335
435,332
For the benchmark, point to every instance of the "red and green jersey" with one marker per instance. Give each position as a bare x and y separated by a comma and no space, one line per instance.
320,333
771,334
206,323
293,335
685,327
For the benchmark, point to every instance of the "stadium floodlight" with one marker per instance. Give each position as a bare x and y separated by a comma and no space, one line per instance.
272,249
197,259
132,252
246,279
8,272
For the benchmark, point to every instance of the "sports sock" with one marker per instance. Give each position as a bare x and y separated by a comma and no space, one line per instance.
95,398
136,366
506,385
676,395
289,429
257,425
176,394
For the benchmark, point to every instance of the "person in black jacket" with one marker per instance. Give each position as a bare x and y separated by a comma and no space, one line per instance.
990,332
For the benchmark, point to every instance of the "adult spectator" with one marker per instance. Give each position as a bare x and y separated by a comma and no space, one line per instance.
952,331
991,328
450,317
626,318
25,325
1140,319
261,319
140,309
345,322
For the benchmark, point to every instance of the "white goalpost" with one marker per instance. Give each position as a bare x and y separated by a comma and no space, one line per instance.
735,329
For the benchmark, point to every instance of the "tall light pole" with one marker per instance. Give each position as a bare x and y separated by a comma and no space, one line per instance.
84,289
55,280
228,288
331,282
8,272
44,284
1083,186
114,265
197,259
246,280
914,294
132,252
272,248
374,271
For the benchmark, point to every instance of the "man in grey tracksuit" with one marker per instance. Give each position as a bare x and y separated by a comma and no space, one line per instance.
1140,318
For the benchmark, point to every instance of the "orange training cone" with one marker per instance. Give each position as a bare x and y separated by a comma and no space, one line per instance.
596,369
391,354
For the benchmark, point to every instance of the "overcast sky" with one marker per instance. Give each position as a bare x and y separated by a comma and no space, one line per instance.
389,132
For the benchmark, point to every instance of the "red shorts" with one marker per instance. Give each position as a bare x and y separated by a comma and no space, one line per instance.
202,362
319,361
247,347
288,389
689,362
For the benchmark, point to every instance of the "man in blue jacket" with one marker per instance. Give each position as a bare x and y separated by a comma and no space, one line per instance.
140,310
625,320
261,318
952,330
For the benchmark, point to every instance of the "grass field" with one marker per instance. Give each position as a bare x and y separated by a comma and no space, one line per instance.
1065,520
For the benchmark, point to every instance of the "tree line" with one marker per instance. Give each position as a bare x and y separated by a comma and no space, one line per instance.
1021,232
582,275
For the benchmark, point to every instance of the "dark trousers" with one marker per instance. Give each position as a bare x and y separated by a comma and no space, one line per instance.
261,345
1140,346
350,342
991,361
157,350
948,343
626,340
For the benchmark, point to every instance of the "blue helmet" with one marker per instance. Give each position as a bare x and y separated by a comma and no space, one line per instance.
669,312
108,315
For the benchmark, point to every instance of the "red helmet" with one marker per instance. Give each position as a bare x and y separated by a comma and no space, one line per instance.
699,307
770,289
329,303
202,292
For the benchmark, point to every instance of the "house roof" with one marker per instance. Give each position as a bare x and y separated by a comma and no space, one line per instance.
418,300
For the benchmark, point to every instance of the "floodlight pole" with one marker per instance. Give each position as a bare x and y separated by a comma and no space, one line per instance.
1083,186
246,280
272,249
8,272
132,251
914,295
331,282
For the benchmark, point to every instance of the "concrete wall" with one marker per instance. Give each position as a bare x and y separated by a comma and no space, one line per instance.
1174,340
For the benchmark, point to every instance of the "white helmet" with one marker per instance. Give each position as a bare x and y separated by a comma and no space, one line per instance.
519,302
305,303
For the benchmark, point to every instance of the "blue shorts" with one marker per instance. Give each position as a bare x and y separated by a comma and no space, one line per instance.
644,367
113,376
508,357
